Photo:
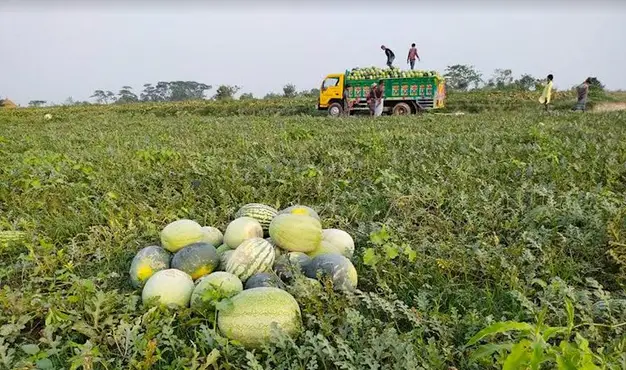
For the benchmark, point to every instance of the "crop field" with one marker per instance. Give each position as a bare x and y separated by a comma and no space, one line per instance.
483,241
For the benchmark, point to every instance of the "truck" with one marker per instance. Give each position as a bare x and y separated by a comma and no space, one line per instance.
407,92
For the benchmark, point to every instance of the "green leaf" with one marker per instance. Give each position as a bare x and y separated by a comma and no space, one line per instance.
537,354
500,327
552,331
369,257
489,349
519,356
224,304
391,251
44,364
30,349
570,313
411,255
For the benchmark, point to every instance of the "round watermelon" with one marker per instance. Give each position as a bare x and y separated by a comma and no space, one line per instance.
339,240
197,260
146,262
254,312
181,233
224,257
287,265
300,210
263,279
241,229
214,287
335,267
296,233
212,235
252,256
173,287
260,212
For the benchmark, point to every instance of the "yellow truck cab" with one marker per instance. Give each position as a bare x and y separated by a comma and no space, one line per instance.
405,92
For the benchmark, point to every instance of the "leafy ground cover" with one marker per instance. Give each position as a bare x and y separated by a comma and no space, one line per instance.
483,241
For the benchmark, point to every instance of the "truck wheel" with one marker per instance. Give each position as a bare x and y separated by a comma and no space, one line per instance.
335,110
401,109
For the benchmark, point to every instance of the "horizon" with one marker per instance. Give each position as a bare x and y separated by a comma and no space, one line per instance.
73,52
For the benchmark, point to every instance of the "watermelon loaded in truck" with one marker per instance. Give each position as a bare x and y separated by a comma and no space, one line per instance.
406,92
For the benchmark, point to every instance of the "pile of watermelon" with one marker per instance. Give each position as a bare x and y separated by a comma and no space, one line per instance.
373,73
261,253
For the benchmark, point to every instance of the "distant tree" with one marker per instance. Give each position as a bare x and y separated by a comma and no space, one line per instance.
272,95
526,82
289,91
36,103
174,91
226,92
148,93
103,97
501,79
462,77
69,101
246,96
126,95
310,93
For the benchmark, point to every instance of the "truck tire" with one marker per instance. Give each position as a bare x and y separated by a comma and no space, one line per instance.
335,110
401,109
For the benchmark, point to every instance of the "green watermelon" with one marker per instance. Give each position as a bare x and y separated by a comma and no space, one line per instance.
296,233
300,210
173,287
263,279
325,247
146,262
252,256
214,287
212,235
222,248
254,312
336,267
260,212
197,260
287,265
339,240
181,233
241,229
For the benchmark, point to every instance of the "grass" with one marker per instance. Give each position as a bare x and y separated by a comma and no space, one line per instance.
460,222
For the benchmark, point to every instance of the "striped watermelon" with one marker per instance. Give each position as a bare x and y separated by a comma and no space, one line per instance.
252,256
260,212
224,257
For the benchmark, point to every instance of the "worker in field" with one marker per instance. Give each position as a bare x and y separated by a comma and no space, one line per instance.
412,56
347,104
390,55
546,96
582,91
371,99
379,98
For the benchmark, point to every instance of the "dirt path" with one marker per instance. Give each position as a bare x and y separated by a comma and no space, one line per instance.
609,107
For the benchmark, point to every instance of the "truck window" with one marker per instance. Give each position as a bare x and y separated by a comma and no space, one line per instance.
330,82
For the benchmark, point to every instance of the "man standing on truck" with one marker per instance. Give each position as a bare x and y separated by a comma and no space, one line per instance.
582,91
547,93
412,56
390,55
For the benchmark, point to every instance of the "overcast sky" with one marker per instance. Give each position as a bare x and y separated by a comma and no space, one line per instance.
60,49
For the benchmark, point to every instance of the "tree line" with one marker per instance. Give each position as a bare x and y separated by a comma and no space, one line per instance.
458,78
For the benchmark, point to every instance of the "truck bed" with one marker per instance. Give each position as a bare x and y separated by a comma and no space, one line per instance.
424,90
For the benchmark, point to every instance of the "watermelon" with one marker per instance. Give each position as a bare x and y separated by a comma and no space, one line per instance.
197,260
260,212
300,210
296,233
277,250
304,287
224,257
146,262
255,312
291,263
339,240
325,247
263,279
181,233
214,287
212,235
252,256
173,287
241,229
222,248
336,267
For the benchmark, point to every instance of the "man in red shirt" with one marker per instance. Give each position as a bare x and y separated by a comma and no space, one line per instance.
412,56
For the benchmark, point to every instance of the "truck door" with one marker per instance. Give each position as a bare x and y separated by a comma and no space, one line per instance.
331,89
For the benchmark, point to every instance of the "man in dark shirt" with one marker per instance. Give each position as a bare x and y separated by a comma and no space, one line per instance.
390,55
582,91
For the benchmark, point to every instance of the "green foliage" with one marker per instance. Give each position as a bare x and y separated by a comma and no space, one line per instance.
486,223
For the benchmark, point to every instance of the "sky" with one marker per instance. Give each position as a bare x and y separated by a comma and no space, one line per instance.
59,49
